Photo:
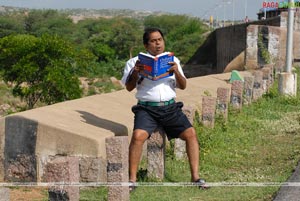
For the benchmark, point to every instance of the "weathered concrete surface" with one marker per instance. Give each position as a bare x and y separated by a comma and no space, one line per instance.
78,127
287,84
19,149
290,193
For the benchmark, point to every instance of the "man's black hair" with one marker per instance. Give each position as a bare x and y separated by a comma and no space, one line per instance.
147,33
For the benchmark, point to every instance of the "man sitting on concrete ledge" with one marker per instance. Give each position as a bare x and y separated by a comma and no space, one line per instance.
156,106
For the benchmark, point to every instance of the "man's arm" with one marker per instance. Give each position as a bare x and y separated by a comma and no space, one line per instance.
132,79
133,76
180,79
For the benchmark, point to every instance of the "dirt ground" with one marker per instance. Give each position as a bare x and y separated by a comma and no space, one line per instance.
28,194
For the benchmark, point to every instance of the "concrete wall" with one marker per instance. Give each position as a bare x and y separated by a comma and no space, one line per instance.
28,140
220,51
230,43
274,40
204,61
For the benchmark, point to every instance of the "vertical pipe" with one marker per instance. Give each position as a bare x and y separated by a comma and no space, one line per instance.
289,41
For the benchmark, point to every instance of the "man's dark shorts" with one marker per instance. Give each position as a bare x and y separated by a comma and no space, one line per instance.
170,118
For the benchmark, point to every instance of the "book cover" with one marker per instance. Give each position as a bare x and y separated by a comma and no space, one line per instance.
156,67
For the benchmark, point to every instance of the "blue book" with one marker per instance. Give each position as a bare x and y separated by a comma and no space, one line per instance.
156,67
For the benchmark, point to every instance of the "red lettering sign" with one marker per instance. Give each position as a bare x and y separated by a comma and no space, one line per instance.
270,4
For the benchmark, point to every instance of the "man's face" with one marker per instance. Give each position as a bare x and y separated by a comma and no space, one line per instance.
156,44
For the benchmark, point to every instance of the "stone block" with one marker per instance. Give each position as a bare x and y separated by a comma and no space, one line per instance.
21,169
92,169
258,85
4,194
156,154
179,144
189,111
208,111
179,149
63,173
283,19
117,167
236,97
266,79
271,71
248,90
223,97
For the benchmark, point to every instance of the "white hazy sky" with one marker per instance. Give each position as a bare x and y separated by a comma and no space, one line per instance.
234,9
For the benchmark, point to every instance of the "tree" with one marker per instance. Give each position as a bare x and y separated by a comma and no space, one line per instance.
39,68
39,22
10,25
126,37
183,34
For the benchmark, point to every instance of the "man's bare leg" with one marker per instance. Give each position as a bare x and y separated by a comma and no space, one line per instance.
135,152
192,150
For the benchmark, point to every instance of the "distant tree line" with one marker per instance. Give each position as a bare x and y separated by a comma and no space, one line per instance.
43,52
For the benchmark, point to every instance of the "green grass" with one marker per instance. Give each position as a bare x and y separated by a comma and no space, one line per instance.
260,143
89,194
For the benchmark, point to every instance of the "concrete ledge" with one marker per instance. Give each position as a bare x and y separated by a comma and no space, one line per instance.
80,127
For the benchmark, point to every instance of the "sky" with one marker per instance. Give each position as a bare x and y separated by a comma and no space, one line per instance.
234,9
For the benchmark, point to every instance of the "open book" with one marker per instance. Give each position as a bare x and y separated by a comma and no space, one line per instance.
156,67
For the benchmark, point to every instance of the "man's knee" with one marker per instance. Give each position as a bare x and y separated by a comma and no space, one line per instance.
139,135
188,134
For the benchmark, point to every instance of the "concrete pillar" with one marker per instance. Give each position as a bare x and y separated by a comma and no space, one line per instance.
223,97
271,71
4,194
248,89
266,79
117,167
64,170
258,85
287,84
92,169
179,144
236,98
156,154
208,111
252,48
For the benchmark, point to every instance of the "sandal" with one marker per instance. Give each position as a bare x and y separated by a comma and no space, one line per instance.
132,186
201,184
